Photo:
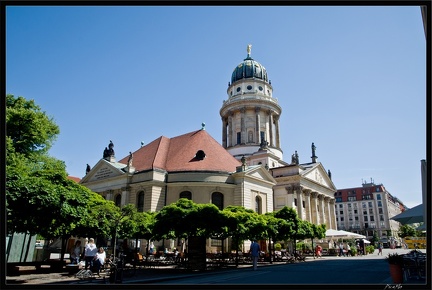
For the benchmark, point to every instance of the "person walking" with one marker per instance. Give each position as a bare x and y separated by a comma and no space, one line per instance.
349,253
255,251
89,253
318,251
341,250
380,247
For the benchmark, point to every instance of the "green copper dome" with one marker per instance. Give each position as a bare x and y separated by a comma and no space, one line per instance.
249,68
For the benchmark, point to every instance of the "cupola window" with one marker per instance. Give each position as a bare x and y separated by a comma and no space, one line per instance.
249,87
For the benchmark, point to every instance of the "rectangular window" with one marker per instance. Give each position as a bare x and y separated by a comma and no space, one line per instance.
295,201
341,212
381,218
379,203
356,218
378,196
238,137
355,211
216,243
380,210
371,218
370,211
370,203
365,218
303,203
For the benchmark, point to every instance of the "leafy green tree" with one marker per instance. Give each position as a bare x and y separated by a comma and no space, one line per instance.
407,231
288,230
188,220
242,224
28,128
40,199
318,232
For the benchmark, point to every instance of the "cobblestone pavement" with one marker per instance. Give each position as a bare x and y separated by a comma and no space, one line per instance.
29,277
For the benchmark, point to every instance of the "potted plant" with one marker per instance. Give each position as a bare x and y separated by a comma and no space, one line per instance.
395,263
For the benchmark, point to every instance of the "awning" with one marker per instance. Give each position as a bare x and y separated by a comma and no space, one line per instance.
410,216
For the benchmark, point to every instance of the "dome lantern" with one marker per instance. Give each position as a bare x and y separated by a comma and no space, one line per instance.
249,68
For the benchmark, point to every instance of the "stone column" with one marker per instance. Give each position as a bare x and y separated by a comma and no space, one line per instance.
125,195
242,126
332,218
230,130
270,120
327,212
321,208
307,193
299,191
313,207
277,131
224,132
257,125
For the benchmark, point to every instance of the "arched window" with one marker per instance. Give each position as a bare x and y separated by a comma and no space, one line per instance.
258,205
217,200
117,200
140,201
186,194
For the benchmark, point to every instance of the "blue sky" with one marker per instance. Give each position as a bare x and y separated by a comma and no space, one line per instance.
351,79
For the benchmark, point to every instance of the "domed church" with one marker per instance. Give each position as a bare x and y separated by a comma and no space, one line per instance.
247,169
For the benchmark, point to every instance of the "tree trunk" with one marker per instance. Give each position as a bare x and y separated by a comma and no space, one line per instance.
197,253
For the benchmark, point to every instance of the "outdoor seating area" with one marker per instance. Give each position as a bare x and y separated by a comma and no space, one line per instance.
414,265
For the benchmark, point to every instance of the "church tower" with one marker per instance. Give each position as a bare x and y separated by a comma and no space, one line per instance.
250,116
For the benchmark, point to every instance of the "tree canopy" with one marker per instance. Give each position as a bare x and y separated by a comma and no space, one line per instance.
30,129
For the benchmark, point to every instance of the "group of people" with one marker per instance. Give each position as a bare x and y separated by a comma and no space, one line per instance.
94,258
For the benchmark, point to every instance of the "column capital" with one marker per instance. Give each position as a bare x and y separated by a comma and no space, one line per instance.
257,109
307,192
327,198
243,110
314,194
292,188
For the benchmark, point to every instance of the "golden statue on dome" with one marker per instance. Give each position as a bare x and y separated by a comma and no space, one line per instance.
249,47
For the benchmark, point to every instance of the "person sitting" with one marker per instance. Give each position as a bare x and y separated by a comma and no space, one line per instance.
99,260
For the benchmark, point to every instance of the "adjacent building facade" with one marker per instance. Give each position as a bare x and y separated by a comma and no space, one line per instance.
367,210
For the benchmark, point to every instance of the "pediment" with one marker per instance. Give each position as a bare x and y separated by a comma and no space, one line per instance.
259,172
104,170
318,175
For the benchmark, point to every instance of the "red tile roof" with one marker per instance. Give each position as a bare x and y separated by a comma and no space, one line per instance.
178,154
76,179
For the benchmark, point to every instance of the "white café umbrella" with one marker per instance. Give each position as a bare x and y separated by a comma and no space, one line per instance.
340,234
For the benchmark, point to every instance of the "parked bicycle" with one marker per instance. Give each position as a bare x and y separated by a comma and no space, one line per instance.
116,266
